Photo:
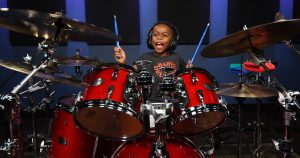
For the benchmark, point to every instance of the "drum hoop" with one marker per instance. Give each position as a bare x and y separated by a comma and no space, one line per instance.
192,111
210,76
101,104
65,107
110,104
175,137
108,65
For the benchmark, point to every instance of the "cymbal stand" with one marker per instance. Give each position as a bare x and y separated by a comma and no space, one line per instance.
239,130
257,130
43,105
290,45
13,146
49,52
287,99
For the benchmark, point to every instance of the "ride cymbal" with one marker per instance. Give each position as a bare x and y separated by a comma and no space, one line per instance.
47,73
243,90
51,26
258,37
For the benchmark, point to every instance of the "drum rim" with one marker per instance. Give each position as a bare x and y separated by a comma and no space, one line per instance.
110,103
173,136
105,66
103,103
60,105
186,71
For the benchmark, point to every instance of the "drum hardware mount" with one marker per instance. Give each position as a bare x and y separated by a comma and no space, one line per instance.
160,112
45,145
131,94
10,147
144,79
13,146
115,72
168,84
200,95
290,45
42,106
194,77
287,99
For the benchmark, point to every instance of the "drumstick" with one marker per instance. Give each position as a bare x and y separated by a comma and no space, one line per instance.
199,43
116,30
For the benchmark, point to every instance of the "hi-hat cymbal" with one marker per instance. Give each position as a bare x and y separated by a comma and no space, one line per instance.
260,37
51,26
78,60
243,90
47,73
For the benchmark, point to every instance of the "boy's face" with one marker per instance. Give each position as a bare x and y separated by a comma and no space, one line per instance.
161,38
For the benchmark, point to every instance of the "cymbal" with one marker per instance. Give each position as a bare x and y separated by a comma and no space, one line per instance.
243,90
51,26
47,73
260,37
78,60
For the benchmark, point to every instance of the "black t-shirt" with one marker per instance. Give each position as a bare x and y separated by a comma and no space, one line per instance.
173,60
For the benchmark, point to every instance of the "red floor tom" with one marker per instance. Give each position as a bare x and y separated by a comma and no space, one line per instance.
69,141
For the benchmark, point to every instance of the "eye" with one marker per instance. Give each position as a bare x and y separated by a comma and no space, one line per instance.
165,35
154,34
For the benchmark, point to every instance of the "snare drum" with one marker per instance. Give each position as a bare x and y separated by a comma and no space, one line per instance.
199,109
176,148
110,104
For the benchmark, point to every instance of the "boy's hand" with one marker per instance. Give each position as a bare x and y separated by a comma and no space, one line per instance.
119,55
189,64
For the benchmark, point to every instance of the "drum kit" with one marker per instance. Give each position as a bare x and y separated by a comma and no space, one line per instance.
111,117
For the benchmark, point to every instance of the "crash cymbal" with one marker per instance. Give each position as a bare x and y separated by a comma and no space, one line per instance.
260,37
243,90
51,26
77,60
47,73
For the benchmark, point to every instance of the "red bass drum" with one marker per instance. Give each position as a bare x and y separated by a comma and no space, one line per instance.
141,148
